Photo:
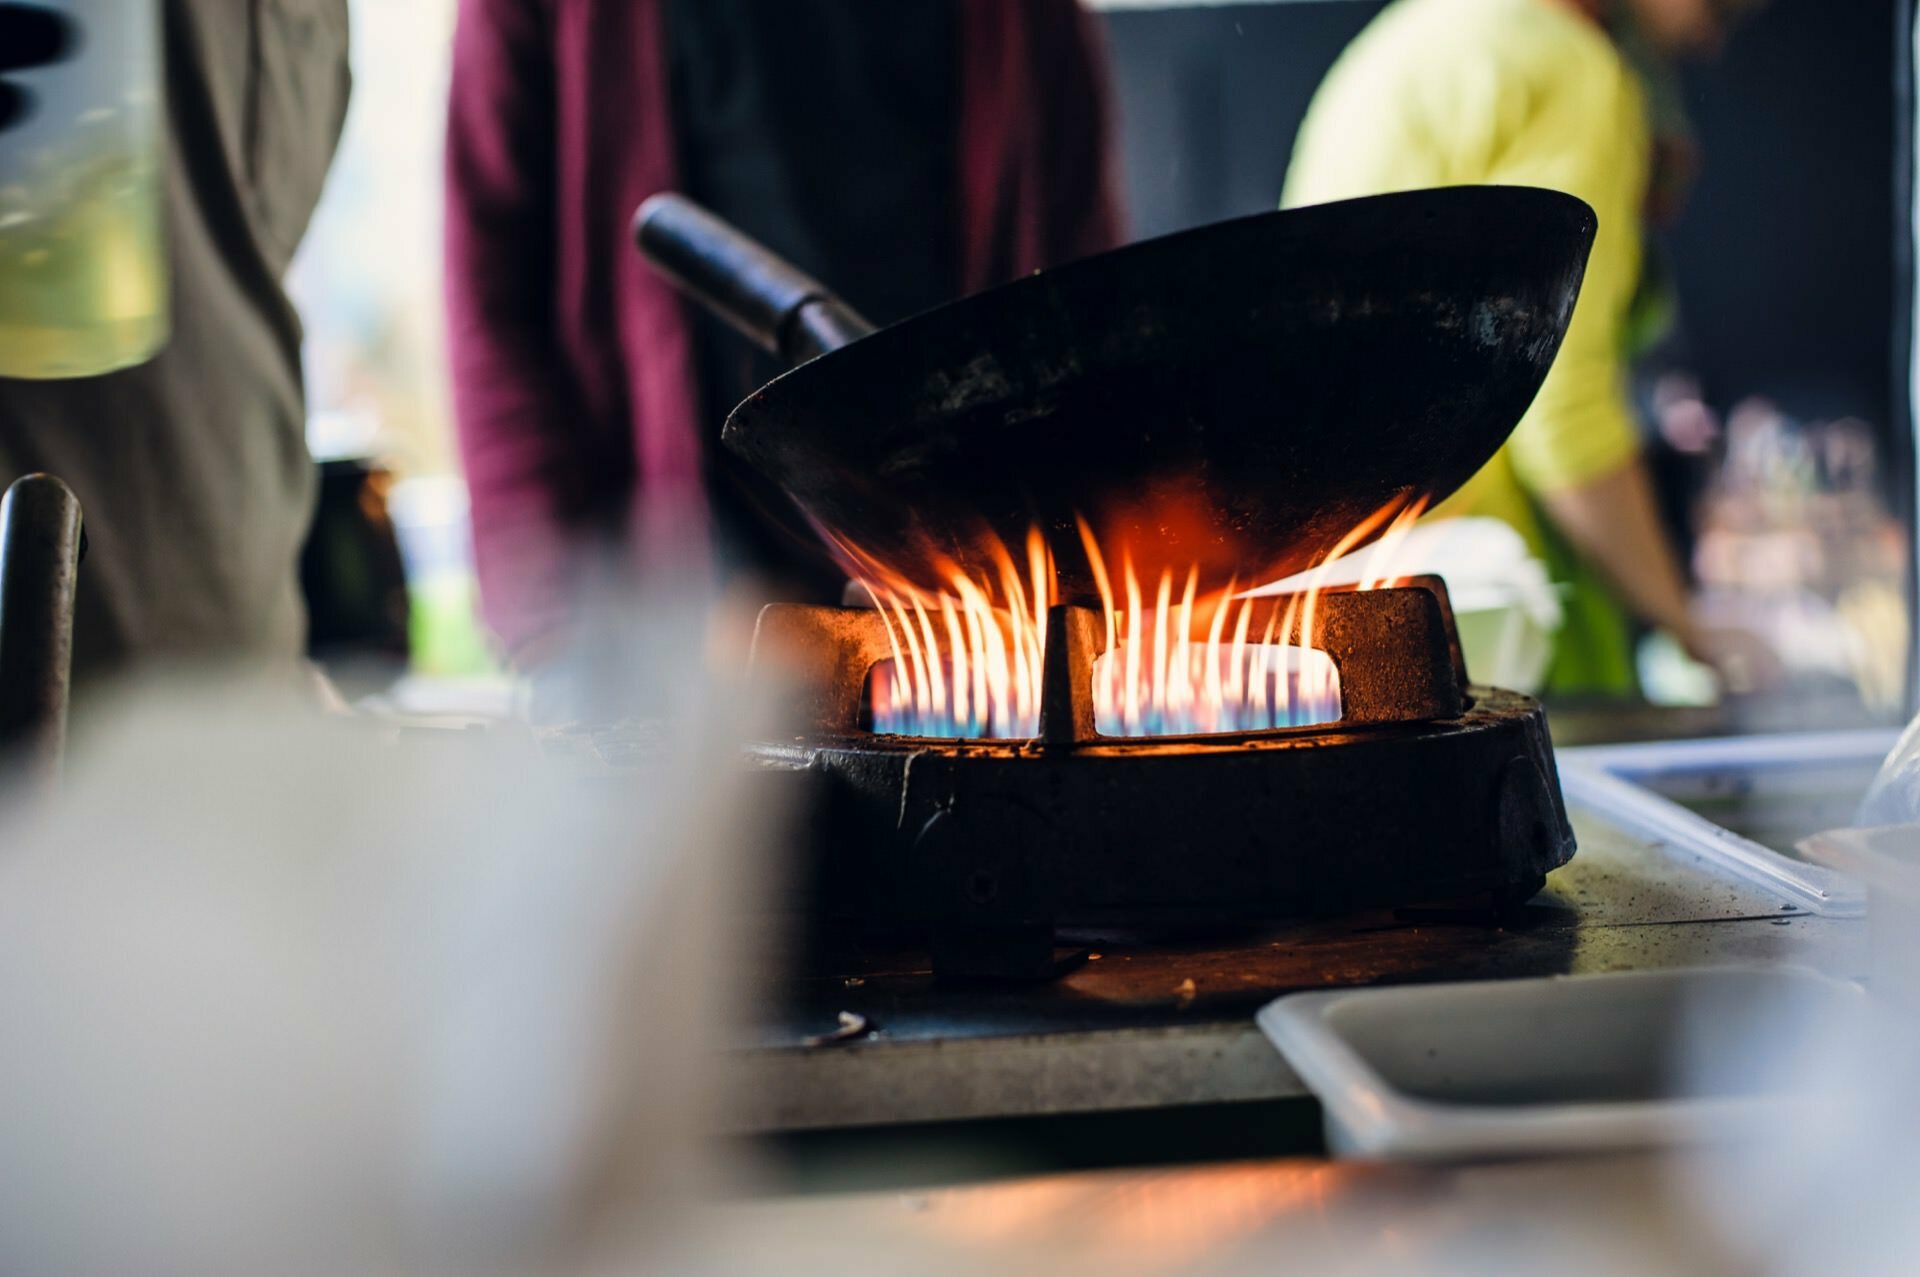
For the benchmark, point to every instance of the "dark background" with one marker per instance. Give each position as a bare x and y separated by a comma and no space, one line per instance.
1785,259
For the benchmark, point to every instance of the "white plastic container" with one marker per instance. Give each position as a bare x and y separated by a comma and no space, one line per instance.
1887,859
1505,609
1506,637
1565,1064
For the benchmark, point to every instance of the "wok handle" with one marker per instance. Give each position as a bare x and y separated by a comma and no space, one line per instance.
761,295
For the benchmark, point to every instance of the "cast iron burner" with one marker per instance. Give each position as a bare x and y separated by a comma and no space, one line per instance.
1427,789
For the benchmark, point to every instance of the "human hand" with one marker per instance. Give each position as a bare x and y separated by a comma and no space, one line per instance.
1743,661
30,36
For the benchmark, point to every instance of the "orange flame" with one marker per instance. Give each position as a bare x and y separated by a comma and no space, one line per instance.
967,660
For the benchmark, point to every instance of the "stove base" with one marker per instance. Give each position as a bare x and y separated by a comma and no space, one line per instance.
988,849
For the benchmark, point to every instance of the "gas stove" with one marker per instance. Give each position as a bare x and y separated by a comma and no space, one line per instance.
1422,788
1092,688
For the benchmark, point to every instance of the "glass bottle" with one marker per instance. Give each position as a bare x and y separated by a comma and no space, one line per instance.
83,268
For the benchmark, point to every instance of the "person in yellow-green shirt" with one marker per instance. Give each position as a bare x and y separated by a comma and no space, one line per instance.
1563,94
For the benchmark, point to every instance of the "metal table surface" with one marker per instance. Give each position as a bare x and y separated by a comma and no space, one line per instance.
1142,1025
1615,1215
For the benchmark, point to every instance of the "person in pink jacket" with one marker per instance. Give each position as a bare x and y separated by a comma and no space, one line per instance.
906,153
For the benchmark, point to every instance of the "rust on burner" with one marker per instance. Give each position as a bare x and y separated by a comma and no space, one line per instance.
1074,638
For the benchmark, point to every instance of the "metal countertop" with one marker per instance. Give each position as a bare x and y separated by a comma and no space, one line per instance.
1148,1025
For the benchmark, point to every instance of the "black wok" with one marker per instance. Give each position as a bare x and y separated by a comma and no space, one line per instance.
1237,397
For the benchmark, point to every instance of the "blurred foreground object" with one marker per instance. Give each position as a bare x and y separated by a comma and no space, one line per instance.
83,265
288,995
41,542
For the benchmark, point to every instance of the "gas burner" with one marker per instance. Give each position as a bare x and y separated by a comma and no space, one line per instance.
1425,789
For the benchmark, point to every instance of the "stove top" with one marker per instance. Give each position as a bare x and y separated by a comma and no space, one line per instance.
993,853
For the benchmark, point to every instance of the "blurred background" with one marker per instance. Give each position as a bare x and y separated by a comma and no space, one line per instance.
1774,408
509,978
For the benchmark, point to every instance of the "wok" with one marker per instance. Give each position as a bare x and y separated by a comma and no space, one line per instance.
1236,397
